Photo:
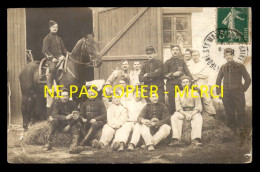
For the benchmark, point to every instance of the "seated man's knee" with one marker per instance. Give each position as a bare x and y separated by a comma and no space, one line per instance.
96,125
166,128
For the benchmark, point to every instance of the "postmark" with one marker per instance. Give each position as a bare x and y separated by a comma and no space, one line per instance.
232,25
213,52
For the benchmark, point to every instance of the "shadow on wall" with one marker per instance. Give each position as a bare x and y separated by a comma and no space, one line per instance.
74,23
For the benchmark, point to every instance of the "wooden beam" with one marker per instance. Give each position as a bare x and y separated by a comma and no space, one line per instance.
127,57
96,35
123,31
171,10
159,32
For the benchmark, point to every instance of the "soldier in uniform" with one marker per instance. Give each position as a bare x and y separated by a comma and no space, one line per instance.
189,108
234,92
152,74
63,117
173,69
93,114
155,120
54,49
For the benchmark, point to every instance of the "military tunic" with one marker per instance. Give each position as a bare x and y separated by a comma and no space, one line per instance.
59,113
171,66
53,46
155,110
233,93
154,70
153,135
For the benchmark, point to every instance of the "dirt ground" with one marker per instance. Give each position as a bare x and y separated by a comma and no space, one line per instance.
18,153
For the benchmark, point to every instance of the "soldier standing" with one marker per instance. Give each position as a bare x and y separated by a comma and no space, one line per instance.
234,92
54,49
152,74
173,69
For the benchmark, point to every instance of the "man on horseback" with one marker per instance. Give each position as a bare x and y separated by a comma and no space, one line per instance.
54,49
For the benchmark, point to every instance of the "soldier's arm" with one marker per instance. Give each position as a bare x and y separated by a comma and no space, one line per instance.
112,78
103,112
158,72
219,80
165,115
82,111
186,70
56,111
45,47
198,104
166,72
64,50
143,114
141,74
246,77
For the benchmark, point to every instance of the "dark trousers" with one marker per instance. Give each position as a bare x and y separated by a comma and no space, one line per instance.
171,96
160,92
59,125
234,103
52,66
95,126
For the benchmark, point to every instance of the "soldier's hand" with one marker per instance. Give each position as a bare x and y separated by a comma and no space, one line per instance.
92,121
84,120
61,58
66,129
50,118
145,75
178,73
54,60
68,117
188,117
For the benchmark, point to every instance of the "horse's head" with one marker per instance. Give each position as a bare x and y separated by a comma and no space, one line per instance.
90,48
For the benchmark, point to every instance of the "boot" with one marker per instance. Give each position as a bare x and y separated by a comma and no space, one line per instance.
49,80
87,137
75,141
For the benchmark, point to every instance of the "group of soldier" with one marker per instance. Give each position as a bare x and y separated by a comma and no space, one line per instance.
124,121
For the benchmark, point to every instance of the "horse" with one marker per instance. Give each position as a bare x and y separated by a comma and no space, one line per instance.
80,66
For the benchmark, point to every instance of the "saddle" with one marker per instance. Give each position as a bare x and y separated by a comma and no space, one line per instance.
43,70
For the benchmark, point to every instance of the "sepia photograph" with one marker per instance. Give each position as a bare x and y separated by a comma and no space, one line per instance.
129,85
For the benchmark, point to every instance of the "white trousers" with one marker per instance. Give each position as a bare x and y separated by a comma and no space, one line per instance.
161,134
196,125
107,134
123,133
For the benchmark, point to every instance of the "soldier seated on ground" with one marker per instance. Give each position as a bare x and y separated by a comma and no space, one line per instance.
187,108
154,118
63,119
93,116
116,117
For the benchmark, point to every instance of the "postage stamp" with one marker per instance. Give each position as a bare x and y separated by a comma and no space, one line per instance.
232,24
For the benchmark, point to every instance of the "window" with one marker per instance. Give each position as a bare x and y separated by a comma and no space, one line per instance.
177,30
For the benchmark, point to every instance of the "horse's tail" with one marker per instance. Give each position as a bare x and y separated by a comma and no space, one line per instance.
26,77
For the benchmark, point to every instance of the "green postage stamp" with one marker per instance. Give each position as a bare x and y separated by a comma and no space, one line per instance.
232,25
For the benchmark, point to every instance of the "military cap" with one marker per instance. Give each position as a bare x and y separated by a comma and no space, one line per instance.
229,50
149,50
174,45
185,77
51,23
64,89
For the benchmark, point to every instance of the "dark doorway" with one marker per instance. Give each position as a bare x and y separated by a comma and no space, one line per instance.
74,23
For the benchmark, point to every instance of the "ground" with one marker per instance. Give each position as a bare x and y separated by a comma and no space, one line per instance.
229,152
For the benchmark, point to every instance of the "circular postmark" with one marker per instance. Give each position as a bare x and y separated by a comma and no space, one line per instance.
213,49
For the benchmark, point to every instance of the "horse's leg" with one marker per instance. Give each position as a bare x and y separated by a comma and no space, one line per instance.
26,115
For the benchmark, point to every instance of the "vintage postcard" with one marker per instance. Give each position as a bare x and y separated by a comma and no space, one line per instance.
146,85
